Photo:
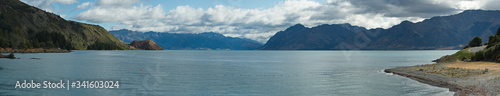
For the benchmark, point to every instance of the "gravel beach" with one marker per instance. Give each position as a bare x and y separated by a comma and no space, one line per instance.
464,78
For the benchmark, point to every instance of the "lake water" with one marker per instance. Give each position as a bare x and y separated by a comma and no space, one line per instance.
190,72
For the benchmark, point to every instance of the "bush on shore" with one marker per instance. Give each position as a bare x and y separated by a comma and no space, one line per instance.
476,41
491,52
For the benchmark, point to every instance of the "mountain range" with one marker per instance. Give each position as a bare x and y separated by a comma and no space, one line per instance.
186,41
441,32
23,26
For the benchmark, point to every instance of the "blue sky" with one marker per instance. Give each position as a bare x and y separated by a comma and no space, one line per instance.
253,19
68,10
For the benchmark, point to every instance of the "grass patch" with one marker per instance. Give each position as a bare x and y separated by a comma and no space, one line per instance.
464,54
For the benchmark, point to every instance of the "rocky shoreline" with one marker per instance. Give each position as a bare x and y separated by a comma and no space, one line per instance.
33,50
439,82
462,81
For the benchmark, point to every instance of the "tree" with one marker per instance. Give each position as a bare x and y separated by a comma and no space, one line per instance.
478,56
50,40
494,39
103,46
492,51
498,31
4,38
476,41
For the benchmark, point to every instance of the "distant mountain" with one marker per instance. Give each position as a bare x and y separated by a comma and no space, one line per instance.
146,45
322,37
201,41
442,32
25,26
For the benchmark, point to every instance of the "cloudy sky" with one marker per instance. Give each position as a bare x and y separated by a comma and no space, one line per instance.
253,19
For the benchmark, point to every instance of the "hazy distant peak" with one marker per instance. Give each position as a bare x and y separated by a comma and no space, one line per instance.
296,27
299,25
212,34
352,28
406,22
472,11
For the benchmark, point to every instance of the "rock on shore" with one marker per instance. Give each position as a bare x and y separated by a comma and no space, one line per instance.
10,56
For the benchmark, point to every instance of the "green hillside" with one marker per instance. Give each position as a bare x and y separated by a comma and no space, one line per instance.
25,26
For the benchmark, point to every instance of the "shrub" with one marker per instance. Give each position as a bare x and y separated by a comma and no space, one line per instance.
11,56
485,70
103,46
498,31
4,42
479,56
493,40
476,41
492,51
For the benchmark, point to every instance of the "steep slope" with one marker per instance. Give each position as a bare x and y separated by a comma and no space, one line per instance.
146,45
23,22
440,32
201,41
445,32
322,37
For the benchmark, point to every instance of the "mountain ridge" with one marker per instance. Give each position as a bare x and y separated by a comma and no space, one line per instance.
186,41
440,32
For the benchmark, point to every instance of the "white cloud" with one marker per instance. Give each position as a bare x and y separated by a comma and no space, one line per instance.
116,3
260,24
129,15
47,4
63,16
83,5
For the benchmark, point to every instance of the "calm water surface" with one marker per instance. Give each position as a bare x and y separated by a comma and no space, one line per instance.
188,72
